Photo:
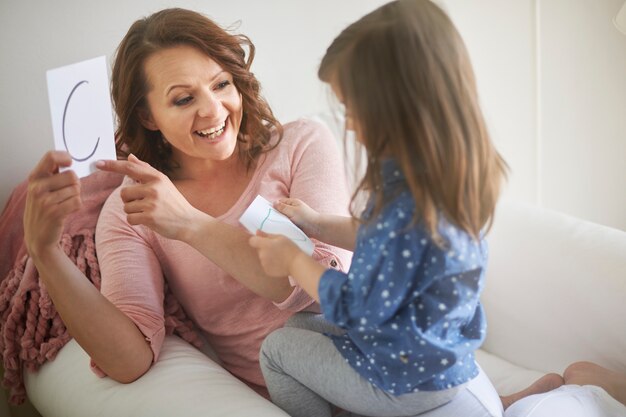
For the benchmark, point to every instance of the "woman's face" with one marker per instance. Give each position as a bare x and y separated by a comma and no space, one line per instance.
194,103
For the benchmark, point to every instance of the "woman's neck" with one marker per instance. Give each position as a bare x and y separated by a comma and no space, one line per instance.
196,169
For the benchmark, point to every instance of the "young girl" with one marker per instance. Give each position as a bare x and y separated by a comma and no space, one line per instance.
402,325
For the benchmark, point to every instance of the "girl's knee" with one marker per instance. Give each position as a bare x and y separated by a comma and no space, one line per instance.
272,346
266,352
270,341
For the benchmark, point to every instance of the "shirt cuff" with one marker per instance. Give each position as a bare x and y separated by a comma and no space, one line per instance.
331,296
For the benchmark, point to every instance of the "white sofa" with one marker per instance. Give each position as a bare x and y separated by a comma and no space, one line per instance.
555,294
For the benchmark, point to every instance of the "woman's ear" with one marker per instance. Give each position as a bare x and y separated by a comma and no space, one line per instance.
145,117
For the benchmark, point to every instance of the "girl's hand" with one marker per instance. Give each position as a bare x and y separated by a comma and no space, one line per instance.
301,214
51,197
276,253
155,202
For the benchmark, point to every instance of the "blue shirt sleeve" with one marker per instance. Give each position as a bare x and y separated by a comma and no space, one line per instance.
382,277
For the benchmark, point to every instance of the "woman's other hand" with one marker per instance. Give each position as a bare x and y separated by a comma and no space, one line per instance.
51,197
155,201
276,253
301,214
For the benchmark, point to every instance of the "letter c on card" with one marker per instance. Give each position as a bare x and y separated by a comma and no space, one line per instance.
67,103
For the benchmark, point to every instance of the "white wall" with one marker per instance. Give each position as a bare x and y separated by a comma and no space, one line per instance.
583,99
36,35
551,75
552,78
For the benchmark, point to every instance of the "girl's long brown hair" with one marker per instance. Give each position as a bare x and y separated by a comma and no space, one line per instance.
170,28
405,77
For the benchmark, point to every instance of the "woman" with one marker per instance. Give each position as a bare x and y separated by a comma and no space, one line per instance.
202,144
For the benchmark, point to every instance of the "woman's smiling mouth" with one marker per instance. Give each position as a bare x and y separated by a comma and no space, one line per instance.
212,132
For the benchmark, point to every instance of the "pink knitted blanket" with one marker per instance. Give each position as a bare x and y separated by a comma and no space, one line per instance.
31,331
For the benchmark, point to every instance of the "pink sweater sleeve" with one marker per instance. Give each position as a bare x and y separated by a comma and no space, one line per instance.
131,274
317,178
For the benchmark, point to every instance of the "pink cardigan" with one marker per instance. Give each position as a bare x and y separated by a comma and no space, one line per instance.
136,261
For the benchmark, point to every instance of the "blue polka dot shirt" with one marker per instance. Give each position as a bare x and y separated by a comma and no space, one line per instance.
411,308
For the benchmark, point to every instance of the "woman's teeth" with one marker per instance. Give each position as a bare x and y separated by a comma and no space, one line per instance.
212,132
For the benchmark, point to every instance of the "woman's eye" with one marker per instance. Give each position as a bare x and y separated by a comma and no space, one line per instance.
183,101
222,84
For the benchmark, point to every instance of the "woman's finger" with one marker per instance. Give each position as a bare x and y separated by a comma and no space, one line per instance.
141,172
62,180
135,192
50,163
60,195
134,159
66,207
136,219
43,185
136,206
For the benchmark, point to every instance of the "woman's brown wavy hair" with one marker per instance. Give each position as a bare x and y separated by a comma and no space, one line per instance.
170,28
405,78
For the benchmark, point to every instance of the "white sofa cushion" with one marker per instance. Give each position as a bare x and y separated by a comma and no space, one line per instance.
555,290
184,381
505,376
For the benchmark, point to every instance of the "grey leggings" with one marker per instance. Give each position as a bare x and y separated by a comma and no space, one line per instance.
306,375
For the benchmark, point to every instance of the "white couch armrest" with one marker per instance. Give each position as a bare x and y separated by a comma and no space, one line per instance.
555,291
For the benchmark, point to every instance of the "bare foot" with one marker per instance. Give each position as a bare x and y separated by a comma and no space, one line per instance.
588,373
544,384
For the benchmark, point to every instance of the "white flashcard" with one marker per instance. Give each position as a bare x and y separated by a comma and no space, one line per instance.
80,106
260,215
